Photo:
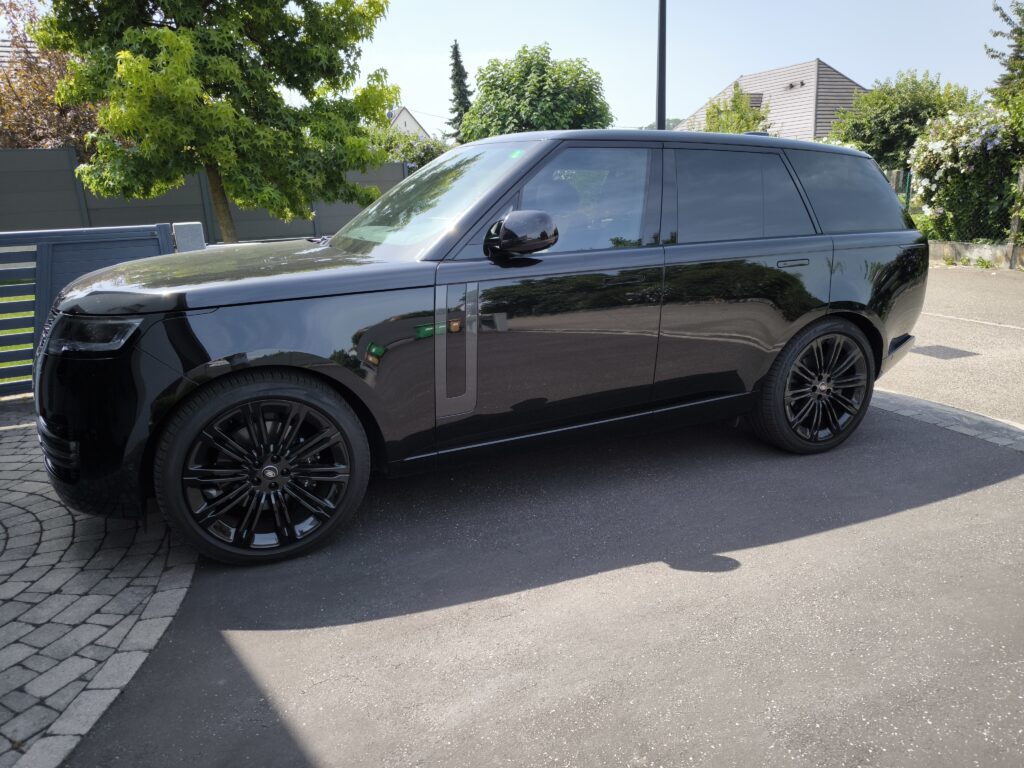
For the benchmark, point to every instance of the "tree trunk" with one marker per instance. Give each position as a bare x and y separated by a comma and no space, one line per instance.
221,209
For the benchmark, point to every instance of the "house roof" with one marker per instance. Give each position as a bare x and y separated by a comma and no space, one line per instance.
802,98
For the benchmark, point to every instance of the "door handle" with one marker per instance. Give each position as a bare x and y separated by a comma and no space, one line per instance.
787,263
610,281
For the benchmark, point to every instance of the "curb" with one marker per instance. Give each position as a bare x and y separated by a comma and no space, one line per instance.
1000,433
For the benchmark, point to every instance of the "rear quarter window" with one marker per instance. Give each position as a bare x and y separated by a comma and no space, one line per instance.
848,193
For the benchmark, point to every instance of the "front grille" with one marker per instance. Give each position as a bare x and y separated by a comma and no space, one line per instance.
61,456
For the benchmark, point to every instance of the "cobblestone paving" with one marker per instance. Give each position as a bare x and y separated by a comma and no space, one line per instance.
83,601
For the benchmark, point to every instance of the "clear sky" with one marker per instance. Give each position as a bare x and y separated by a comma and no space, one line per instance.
710,43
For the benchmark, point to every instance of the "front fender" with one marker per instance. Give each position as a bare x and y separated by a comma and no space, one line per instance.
377,346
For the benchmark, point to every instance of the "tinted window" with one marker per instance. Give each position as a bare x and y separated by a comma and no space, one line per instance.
737,196
848,193
595,195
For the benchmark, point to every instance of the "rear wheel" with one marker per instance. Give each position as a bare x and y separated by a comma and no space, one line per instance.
818,390
261,466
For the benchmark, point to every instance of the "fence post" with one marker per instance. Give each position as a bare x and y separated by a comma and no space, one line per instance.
1015,220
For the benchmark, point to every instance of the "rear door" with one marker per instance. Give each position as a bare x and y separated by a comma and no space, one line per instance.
745,266
566,334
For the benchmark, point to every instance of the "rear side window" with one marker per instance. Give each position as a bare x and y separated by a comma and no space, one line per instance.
848,193
728,195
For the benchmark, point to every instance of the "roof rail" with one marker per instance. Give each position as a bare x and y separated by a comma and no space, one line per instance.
757,133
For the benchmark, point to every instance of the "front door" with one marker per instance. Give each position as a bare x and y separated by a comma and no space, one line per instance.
566,334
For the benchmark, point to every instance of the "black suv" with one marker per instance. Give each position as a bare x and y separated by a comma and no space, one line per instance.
517,286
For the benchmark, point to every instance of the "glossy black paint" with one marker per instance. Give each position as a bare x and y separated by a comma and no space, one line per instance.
522,232
463,348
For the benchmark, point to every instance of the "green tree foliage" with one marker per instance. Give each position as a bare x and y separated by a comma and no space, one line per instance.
194,85
670,124
461,93
963,170
533,92
402,147
1011,82
736,114
886,121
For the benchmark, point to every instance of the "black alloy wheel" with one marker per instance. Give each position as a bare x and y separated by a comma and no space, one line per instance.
261,467
826,387
818,390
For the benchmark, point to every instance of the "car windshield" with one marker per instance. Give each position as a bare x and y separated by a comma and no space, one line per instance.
415,213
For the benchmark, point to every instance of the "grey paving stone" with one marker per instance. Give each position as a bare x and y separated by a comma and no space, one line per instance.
82,582
145,583
114,636
48,608
12,631
5,715
54,580
30,597
49,752
28,723
83,712
81,609
96,652
10,588
15,677
39,663
105,558
14,653
118,670
44,635
104,619
164,603
130,567
47,558
127,599
109,586
78,637
179,576
181,556
145,635
8,759
30,573
53,545
50,682
25,540
11,610
18,701
65,695
81,550
9,567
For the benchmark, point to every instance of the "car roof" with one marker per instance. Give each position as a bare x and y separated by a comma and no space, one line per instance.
691,137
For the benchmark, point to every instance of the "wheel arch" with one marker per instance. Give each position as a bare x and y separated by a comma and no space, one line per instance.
374,434
870,330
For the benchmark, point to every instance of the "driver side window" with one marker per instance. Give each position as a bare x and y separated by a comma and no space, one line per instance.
595,196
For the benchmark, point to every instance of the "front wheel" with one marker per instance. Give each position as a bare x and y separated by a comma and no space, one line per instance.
261,466
818,390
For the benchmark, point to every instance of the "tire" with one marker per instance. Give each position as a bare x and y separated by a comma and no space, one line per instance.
243,493
825,372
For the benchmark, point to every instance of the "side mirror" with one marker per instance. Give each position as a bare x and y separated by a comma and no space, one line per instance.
521,232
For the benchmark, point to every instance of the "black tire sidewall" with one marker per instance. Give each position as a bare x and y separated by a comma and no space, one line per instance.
206,405
774,425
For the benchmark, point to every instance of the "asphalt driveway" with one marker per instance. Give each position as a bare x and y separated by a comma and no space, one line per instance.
688,597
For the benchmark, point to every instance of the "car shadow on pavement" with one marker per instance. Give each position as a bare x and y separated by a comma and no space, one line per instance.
517,520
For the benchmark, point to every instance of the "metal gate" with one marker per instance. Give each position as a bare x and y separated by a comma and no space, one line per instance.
34,266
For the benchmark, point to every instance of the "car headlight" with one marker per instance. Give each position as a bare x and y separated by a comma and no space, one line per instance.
90,334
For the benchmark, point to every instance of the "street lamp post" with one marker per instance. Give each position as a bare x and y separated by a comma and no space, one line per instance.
661,66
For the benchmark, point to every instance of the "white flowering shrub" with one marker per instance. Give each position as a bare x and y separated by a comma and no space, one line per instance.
963,174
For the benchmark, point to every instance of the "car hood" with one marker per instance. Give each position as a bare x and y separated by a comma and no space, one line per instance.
237,274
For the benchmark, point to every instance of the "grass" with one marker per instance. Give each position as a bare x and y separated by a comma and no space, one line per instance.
10,347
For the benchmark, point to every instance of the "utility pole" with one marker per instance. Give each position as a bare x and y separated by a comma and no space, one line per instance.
661,65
